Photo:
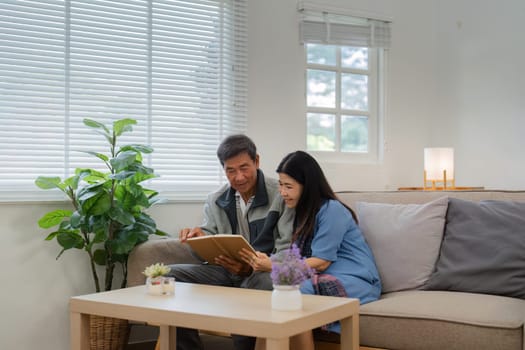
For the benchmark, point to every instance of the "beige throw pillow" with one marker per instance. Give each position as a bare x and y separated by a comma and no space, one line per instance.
405,240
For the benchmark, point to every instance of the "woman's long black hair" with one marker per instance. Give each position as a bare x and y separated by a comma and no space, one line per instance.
303,168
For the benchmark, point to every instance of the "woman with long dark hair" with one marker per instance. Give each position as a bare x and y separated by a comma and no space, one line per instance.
327,234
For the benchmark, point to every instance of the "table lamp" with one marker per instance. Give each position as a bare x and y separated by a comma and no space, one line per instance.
439,168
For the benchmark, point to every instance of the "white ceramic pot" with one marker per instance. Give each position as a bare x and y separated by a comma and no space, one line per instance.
160,285
287,298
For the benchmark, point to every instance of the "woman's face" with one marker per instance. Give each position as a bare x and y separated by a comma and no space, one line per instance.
290,190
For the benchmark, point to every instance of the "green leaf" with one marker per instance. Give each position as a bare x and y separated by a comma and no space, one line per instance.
145,229
161,233
100,236
144,170
118,214
137,148
72,182
149,192
122,175
147,221
99,257
124,243
100,223
100,228
85,172
51,236
123,125
157,200
123,160
124,198
65,225
94,177
75,219
120,258
47,183
137,179
97,205
53,218
99,128
90,175
70,240
134,196
94,124
84,195
98,155
142,237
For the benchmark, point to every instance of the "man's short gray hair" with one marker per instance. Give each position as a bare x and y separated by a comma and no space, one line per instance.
234,145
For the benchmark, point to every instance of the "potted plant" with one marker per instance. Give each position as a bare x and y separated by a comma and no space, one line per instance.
289,270
108,218
157,283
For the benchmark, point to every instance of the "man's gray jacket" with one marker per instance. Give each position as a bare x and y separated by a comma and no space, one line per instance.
270,221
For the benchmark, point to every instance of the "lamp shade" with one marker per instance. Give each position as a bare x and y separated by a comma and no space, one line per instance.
438,160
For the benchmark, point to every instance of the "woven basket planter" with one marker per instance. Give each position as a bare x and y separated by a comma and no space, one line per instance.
106,333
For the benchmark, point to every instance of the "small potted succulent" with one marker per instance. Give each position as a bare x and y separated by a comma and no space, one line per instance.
156,282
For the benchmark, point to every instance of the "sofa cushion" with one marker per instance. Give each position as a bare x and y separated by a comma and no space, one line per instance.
405,240
164,250
436,320
483,249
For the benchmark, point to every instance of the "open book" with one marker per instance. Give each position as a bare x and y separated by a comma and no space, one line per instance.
211,246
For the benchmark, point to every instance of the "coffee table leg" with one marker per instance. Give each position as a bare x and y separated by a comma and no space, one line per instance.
277,344
167,337
79,328
350,333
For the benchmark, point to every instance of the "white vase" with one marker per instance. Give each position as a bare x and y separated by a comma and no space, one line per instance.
286,298
160,285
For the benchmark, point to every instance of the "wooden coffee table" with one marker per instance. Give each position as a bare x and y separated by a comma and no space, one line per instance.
212,308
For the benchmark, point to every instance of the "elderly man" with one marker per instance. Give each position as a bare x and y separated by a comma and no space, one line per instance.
249,205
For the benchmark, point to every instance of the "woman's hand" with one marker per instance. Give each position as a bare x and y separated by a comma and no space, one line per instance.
258,261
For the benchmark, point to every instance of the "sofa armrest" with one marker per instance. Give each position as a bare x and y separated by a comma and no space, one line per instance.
163,250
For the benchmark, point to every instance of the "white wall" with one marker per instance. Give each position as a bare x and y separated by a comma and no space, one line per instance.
276,91
36,287
480,90
446,86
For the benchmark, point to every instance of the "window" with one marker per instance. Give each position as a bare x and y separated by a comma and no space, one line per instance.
344,89
339,96
176,66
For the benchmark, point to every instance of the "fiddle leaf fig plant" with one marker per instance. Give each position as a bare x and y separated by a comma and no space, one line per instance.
108,216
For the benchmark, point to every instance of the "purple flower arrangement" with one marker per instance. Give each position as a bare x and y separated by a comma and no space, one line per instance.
289,268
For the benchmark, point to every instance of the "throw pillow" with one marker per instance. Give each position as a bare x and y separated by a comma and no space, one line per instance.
404,239
483,249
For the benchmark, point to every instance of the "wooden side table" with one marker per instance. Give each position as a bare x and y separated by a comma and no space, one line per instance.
219,309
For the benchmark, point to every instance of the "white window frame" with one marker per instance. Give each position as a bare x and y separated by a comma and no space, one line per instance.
374,114
343,27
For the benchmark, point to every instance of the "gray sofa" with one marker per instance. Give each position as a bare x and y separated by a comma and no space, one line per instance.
423,308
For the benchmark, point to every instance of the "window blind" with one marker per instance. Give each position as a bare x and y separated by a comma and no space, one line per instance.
178,67
320,25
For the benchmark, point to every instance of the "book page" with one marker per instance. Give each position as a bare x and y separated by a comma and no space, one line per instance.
211,246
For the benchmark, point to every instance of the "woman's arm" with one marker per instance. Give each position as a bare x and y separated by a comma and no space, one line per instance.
318,264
